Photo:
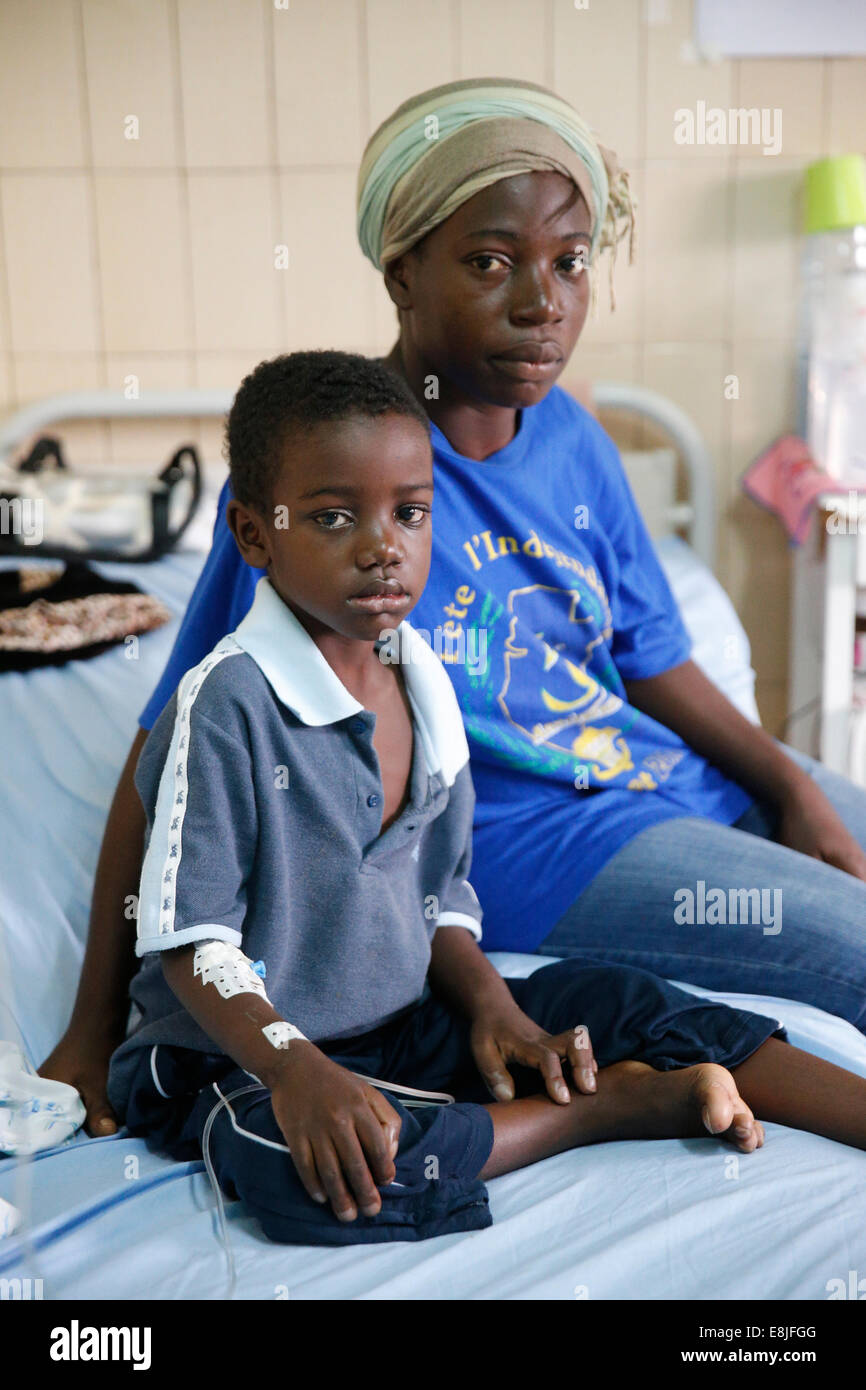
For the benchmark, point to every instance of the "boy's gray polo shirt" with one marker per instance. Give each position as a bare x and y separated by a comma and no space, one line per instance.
264,805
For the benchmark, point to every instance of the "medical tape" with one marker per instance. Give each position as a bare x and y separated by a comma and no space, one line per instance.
223,965
281,1034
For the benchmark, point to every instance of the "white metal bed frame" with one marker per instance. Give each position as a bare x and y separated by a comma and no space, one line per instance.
697,516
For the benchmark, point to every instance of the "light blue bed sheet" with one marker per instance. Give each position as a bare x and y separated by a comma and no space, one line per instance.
668,1219
661,1220
65,733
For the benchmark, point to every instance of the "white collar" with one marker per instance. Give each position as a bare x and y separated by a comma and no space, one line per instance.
302,678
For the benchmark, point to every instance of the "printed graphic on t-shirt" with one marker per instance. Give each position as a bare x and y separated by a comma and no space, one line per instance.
547,697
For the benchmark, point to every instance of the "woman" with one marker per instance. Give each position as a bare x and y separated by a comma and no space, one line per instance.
612,778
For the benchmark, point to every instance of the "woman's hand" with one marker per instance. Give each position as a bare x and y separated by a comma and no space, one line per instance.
810,824
82,1061
511,1036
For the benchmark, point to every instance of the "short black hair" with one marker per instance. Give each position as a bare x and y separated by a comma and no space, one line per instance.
299,391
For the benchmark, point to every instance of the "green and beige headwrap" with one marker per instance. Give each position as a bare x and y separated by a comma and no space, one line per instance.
444,145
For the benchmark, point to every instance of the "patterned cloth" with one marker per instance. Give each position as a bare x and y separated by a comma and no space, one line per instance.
56,614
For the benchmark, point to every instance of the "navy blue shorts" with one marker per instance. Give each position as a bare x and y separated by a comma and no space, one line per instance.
629,1013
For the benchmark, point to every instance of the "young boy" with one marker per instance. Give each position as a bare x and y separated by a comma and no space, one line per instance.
309,809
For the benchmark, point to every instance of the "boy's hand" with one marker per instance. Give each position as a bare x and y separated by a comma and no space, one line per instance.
514,1037
342,1132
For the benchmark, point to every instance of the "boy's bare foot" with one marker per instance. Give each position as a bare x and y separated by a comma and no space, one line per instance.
633,1101
724,1111
698,1100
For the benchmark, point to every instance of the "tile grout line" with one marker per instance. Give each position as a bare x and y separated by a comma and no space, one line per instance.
98,300
279,217
182,172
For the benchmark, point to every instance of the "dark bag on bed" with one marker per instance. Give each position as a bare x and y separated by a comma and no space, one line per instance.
49,510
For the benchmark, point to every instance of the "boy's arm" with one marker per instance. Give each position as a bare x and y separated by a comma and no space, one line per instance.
461,973
341,1132
234,1023
685,700
101,1008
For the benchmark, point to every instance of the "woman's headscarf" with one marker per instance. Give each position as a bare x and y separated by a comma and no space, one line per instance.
444,145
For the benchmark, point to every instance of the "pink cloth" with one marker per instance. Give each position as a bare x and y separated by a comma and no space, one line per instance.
786,479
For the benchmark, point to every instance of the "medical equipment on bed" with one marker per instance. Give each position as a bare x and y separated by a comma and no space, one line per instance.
10,1219
34,1113
46,509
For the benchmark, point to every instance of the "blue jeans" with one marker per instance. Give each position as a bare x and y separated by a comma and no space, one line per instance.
801,936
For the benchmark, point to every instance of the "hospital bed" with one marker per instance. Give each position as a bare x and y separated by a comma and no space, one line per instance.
653,1220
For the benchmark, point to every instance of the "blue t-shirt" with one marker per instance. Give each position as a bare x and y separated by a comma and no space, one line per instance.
545,594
